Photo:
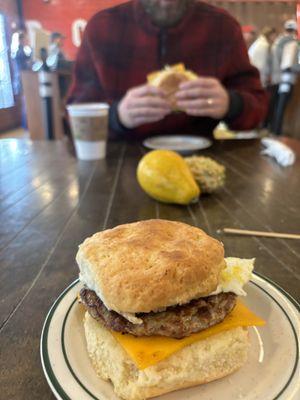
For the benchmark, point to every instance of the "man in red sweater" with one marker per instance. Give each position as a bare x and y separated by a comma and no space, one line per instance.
122,45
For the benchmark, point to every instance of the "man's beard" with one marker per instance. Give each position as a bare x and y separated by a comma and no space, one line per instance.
166,14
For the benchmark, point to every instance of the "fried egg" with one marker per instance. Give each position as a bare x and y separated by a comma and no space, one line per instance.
235,275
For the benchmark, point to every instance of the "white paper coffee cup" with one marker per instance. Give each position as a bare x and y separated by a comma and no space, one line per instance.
89,125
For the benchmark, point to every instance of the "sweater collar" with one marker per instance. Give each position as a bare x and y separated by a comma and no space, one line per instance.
143,20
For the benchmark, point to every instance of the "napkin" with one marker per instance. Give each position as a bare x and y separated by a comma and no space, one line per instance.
281,152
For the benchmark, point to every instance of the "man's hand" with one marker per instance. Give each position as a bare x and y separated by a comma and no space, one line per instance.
142,105
204,97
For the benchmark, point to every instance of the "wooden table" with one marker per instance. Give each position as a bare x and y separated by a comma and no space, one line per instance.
50,203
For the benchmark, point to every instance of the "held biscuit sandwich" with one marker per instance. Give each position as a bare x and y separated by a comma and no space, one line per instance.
162,309
169,79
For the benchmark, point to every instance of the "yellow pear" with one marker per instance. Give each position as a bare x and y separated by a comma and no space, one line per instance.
165,176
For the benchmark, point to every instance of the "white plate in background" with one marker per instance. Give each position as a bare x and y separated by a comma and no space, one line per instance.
180,143
247,135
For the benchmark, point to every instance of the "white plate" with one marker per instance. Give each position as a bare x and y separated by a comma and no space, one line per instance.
272,371
238,135
247,135
181,144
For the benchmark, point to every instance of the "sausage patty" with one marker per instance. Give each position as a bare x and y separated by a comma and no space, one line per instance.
175,321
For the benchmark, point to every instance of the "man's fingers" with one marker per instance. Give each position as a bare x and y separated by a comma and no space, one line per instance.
146,90
196,93
199,83
145,112
198,104
149,102
141,105
200,107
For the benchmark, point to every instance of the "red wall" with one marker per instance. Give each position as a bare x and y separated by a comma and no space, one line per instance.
58,15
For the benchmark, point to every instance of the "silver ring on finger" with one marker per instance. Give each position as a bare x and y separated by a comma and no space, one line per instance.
210,102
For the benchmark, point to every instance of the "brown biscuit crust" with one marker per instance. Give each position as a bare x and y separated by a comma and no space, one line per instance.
149,265
170,86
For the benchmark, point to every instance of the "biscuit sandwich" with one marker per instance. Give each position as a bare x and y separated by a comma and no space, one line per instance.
161,307
169,80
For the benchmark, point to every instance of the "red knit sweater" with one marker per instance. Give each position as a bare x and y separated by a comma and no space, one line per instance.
121,46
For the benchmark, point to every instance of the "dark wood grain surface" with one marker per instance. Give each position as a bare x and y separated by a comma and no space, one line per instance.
49,203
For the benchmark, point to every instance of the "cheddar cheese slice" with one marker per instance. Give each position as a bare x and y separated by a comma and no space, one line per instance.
146,351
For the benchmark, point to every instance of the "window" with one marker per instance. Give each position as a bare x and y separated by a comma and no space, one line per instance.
6,93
